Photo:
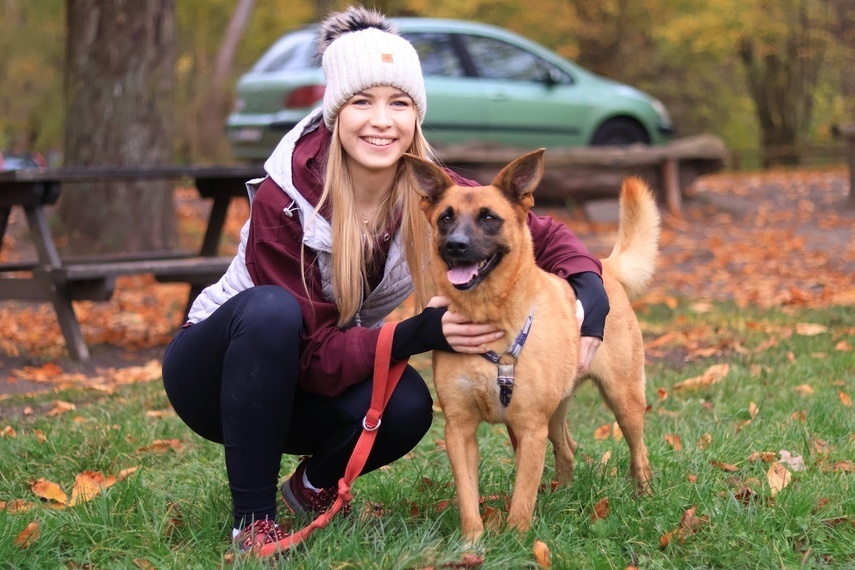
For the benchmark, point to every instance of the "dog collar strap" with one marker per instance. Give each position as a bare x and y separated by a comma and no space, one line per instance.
506,369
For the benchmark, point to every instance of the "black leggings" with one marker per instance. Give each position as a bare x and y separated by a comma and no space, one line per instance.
232,378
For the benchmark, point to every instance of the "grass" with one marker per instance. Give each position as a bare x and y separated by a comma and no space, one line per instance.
174,512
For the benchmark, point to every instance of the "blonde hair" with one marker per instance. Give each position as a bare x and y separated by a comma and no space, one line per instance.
353,241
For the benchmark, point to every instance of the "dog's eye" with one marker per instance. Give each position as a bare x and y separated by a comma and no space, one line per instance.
488,216
445,218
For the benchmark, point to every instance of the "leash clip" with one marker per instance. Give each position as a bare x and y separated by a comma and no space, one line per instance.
505,381
366,427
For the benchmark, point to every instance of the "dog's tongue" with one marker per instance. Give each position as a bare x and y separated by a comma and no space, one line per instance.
461,275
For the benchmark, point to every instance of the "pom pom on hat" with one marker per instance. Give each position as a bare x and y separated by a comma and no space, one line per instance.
361,49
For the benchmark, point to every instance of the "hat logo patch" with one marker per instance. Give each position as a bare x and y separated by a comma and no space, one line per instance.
387,58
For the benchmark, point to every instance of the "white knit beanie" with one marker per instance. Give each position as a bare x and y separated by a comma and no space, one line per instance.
360,50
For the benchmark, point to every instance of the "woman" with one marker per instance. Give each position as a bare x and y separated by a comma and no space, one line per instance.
277,356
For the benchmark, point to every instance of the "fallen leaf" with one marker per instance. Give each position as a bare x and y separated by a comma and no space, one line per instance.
28,536
843,467
689,524
40,436
810,329
617,434
704,441
86,488
745,495
48,490
60,407
493,519
795,462
542,554
818,446
779,477
843,346
143,564
845,399
601,510
18,506
713,375
753,410
124,473
765,457
674,441
701,307
470,560
603,432
804,389
661,394
692,478
162,446
725,466
8,431
159,413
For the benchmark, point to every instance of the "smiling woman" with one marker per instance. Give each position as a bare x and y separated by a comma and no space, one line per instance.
283,345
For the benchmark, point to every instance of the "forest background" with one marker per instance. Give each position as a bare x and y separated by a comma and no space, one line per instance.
758,73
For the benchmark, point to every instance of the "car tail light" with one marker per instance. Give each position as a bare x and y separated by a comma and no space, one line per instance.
305,96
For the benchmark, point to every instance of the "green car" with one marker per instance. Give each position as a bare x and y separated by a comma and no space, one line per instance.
484,84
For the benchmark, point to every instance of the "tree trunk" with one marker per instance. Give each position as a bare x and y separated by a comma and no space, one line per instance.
782,81
212,142
119,108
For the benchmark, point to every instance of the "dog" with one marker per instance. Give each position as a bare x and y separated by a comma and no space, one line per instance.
483,260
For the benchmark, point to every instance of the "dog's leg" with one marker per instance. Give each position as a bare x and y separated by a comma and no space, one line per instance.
625,396
562,444
531,456
461,443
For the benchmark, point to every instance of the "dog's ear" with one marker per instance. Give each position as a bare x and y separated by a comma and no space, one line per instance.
430,180
519,179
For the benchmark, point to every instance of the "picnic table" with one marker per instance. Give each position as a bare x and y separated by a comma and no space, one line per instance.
61,280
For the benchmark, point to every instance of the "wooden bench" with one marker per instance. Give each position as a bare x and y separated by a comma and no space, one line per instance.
579,174
62,280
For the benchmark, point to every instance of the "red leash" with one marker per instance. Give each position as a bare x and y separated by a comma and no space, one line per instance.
386,376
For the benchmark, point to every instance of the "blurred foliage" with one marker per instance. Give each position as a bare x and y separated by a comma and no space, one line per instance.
685,52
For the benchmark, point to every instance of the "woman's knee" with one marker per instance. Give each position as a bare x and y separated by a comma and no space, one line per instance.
269,314
410,409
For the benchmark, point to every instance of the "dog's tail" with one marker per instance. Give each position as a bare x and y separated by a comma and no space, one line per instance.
633,258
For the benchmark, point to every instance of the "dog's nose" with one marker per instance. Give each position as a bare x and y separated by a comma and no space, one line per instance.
456,245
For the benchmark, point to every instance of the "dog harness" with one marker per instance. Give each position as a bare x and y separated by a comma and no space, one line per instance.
505,379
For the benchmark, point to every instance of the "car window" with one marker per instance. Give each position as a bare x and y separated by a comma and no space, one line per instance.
292,52
436,54
495,59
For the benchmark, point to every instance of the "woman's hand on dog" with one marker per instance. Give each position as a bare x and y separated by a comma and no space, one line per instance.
463,335
588,345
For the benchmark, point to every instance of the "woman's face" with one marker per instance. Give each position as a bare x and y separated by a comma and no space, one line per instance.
376,126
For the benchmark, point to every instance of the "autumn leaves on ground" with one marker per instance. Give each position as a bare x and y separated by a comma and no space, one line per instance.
749,336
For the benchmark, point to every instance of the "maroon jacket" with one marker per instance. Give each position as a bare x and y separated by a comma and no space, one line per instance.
332,359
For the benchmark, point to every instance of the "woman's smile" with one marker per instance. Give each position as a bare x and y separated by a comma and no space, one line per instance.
376,127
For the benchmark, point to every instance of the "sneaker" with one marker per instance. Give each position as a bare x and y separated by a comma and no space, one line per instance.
302,500
254,536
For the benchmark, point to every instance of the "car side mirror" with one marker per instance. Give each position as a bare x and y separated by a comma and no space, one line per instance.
550,77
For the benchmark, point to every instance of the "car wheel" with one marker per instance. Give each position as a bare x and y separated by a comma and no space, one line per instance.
619,132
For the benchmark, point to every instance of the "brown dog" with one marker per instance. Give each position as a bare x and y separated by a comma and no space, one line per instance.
484,261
